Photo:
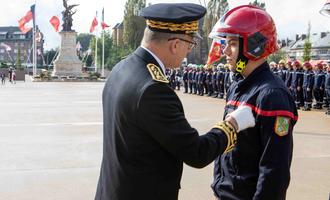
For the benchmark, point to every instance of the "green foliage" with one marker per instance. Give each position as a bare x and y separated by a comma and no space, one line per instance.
258,4
133,24
84,39
49,56
307,45
112,53
215,10
3,65
276,57
18,63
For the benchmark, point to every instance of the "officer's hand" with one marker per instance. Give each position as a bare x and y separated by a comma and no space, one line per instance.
242,118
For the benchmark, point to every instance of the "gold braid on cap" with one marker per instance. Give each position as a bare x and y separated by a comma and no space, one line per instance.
188,27
230,132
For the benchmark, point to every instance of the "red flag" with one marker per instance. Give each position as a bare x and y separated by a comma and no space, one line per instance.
55,22
104,25
215,51
28,17
94,24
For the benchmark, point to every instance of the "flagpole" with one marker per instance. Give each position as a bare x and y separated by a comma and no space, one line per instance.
95,54
102,74
34,41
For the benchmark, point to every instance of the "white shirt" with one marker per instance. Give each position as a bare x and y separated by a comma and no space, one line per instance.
156,58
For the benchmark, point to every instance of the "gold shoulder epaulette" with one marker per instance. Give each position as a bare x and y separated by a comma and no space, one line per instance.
156,73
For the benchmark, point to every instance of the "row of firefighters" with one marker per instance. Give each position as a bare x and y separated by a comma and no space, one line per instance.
307,83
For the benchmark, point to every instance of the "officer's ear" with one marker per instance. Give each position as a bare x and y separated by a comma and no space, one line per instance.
174,46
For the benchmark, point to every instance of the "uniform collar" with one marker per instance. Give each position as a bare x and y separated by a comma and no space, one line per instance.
254,76
160,63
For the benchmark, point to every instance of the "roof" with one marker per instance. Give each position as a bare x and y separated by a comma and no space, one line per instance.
316,40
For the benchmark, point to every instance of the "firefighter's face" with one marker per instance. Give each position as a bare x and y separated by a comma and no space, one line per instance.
231,51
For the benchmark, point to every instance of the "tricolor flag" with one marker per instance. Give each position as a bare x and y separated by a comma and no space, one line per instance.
103,24
94,24
55,22
215,52
28,17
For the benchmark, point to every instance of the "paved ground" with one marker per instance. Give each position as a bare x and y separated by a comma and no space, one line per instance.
51,140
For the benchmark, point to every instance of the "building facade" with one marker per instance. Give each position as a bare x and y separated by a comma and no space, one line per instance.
320,46
13,43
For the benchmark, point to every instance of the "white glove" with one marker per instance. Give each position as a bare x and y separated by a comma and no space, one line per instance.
244,117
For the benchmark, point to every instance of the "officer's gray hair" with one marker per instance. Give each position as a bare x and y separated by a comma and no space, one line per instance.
153,36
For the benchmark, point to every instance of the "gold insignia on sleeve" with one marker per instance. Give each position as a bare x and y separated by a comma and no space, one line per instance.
230,132
156,73
282,126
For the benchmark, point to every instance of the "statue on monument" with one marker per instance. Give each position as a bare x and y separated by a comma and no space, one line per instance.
67,15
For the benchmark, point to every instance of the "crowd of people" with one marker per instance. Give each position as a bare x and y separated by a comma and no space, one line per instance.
309,84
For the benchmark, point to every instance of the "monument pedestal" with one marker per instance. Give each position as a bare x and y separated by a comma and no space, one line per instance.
67,62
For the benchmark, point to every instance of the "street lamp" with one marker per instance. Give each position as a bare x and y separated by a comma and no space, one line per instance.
326,9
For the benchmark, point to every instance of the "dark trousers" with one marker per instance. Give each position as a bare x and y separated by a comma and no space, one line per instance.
298,96
185,84
318,94
190,84
307,97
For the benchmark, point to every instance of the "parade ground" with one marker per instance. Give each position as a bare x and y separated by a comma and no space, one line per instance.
51,144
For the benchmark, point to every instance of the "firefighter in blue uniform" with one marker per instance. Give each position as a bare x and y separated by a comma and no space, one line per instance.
185,79
318,88
327,89
288,76
208,81
190,78
146,135
296,83
227,79
258,167
214,82
308,86
220,80
281,71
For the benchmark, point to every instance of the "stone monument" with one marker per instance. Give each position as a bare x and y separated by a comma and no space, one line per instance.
67,62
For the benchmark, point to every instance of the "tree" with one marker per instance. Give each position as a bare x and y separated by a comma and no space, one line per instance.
307,45
276,57
133,24
215,10
84,39
50,56
18,63
258,4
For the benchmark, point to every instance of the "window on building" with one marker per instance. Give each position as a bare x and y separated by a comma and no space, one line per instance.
323,51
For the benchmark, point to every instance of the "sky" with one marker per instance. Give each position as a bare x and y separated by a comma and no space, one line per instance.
291,16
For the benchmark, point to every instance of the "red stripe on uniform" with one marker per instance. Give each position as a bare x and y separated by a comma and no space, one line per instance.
267,113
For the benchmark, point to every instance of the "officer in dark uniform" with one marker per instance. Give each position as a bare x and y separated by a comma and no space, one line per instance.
318,88
146,135
221,80
327,89
308,85
195,80
258,167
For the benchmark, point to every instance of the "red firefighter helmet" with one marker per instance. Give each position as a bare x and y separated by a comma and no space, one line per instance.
254,25
296,63
308,65
319,65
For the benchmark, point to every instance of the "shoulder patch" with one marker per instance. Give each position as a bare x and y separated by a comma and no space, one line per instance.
282,126
156,73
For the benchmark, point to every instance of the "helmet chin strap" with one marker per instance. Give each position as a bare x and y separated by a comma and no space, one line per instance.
241,61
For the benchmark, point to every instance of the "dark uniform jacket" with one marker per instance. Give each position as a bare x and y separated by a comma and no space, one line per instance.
258,167
308,79
146,135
